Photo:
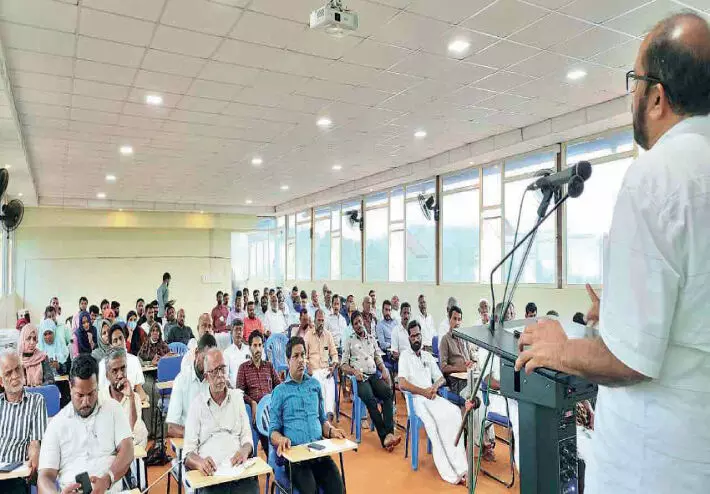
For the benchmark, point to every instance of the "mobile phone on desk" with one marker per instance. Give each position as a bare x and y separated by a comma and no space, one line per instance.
316,447
84,481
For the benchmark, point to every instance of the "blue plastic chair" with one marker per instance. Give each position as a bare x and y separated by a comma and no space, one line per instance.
454,398
435,347
168,369
51,395
359,411
178,348
254,434
414,423
275,350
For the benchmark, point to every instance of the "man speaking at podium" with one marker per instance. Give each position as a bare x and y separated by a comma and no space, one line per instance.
652,360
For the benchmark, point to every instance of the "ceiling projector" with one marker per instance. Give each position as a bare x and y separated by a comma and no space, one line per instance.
335,19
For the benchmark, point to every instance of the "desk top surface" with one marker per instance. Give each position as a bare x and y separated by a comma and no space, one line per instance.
139,452
197,480
303,453
163,385
17,473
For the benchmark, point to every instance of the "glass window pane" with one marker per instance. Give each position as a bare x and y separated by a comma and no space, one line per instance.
589,219
490,249
468,178
335,219
322,248
491,185
335,258
397,205
396,264
425,188
421,249
291,259
291,226
600,146
376,254
303,251
530,164
351,254
279,262
322,213
378,199
303,216
460,236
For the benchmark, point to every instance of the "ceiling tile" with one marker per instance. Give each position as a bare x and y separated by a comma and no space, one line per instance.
318,43
371,17
100,104
202,104
503,102
142,110
279,83
424,65
172,63
267,30
600,11
251,55
101,72
550,4
100,90
549,30
229,73
115,27
184,42
41,110
214,90
374,54
305,65
393,82
35,39
640,21
465,96
541,64
590,42
42,82
504,17
503,81
133,122
440,46
143,9
40,13
503,54
81,115
346,73
137,96
453,11
157,81
99,50
622,56
39,62
200,15
35,96
295,10
411,31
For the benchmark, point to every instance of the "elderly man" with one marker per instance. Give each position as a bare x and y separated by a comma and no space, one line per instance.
119,389
444,325
237,311
134,371
86,436
189,383
395,308
237,353
218,430
274,319
23,419
322,361
314,304
297,416
335,323
369,317
426,322
179,333
400,336
483,312
204,326
305,323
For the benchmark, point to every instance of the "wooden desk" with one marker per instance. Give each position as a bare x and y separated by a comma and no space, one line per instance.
197,480
177,442
164,385
460,375
18,473
149,368
302,453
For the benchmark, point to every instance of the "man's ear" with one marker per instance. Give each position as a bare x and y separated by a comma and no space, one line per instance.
658,104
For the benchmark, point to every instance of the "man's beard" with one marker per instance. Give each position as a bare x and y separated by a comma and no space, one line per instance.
417,346
639,123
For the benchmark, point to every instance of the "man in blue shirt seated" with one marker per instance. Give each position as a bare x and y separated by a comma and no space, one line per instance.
297,414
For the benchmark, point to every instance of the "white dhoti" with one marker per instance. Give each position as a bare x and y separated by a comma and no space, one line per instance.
441,420
497,405
327,386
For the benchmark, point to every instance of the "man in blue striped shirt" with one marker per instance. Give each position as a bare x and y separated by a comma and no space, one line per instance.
297,416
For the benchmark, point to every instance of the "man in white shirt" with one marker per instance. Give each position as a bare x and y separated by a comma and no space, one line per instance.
189,383
652,357
218,429
313,305
204,326
237,353
395,308
274,320
400,336
134,371
237,311
444,324
426,322
86,436
373,306
483,312
335,323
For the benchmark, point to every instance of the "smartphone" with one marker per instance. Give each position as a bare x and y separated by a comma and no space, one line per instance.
83,479
316,446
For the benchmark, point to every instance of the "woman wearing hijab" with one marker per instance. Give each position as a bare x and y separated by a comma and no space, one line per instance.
103,346
154,347
85,335
38,372
57,352
136,336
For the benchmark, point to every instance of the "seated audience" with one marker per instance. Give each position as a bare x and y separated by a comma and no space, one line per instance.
303,301
237,353
83,307
251,322
56,350
140,311
116,308
335,323
85,336
170,321
239,309
322,361
373,306
361,358
134,371
263,307
400,336
553,313
420,375
395,308
154,347
455,354
297,416
225,299
104,344
136,334
579,318
369,318
179,333
204,326
313,305
483,312
444,325
218,430
349,308
304,324
23,318
101,443
94,314
274,319
35,362
530,310
23,420
150,318
219,315
425,320
386,327
119,389
189,383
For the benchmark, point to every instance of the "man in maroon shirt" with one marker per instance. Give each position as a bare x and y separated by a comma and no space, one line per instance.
219,315
257,378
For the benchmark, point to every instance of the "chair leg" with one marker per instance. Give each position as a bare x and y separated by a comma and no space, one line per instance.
428,445
406,440
415,444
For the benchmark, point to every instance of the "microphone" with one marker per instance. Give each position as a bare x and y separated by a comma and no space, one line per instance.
574,176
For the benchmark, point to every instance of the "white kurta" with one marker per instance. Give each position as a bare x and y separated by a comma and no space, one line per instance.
427,326
327,386
652,437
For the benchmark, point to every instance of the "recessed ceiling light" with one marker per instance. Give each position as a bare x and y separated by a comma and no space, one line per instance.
101,195
248,201
420,134
459,46
337,167
20,194
284,187
575,75
256,161
110,178
324,122
126,150
153,99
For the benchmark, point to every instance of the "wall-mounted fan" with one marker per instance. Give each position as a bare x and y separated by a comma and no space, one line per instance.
13,211
429,206
354,218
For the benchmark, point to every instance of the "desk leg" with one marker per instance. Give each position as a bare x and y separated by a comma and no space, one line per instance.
138,473
342,472
290,477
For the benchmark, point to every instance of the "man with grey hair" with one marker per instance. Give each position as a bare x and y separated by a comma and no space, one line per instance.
119,388
23,419
313,305
444,325
218,429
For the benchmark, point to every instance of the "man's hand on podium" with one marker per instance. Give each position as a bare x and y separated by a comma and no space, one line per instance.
545,341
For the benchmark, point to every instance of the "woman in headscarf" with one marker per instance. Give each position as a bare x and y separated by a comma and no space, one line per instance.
85,335
35,362
103,346
136,336
57,352
154,347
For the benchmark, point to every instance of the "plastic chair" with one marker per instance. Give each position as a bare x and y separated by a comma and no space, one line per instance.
359,411
504,422
454,398
178,348
275,350
254,434
435,347
51,395
414,423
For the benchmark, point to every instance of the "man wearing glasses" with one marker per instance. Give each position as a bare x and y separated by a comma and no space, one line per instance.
652,359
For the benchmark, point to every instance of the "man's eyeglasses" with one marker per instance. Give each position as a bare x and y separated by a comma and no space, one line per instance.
632,79
219,371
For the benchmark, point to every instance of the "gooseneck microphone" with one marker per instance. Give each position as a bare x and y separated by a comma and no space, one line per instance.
574,177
